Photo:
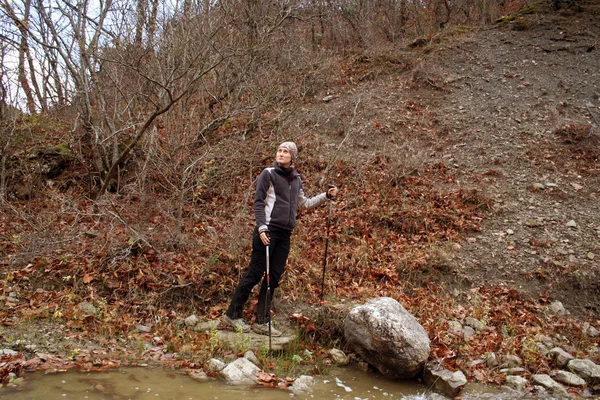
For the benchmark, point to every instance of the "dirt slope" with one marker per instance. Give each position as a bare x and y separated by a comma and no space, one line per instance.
512,111
509,112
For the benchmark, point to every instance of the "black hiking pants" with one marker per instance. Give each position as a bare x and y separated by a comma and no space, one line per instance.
279,248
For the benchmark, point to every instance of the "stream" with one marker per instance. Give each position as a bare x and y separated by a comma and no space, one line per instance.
155,383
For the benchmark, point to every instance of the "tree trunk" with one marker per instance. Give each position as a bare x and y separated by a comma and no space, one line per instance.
23,50
141,22
152,22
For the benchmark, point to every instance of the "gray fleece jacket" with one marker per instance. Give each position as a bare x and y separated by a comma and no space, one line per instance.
279,193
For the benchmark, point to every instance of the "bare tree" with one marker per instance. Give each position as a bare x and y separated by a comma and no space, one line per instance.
24,54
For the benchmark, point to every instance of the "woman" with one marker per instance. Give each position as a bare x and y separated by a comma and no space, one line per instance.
279,193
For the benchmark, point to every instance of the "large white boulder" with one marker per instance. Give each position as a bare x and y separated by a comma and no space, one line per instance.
388,337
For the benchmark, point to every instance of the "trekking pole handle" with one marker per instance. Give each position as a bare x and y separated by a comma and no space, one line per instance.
329,187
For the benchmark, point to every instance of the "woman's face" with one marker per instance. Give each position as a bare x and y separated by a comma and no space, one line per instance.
284,157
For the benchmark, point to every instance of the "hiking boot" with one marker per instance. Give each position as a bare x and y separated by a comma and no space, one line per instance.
263,329
236,324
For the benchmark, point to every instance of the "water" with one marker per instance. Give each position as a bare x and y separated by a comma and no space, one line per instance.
161,384
149,383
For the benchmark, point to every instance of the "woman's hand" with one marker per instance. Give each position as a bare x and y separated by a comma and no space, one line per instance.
264,237
332,192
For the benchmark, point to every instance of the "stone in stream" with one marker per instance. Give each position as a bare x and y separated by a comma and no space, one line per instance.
388,337
444,381
303,384
215,365
240,372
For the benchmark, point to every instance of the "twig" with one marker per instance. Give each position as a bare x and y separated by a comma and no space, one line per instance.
174,287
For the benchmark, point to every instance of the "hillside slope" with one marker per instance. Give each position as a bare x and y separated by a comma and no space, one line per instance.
512,111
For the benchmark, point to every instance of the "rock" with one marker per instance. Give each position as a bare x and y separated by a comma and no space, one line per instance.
546,340
556,307
191,321
19,381
473,363
590,255
255,340
142,329
516,382
538,186
568,378
468,332
589,330
474,323
586,369
513,371
87,308
327,99
551,185
571,224
455,327
249,355
542,349
512,361
240,372
9,352
31,348
303,384
510,232
491,360
549,384
444,381
215,365
339,357
388,337
576,186
199,376
207,326
561,358
533,223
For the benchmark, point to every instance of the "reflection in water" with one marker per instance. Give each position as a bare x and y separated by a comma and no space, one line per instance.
149,383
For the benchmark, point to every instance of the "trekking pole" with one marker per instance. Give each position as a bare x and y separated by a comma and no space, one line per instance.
268,298
326,246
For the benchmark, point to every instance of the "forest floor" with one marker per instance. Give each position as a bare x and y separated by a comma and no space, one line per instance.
505,118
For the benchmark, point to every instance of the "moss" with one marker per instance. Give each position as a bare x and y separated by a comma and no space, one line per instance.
63,148
506,18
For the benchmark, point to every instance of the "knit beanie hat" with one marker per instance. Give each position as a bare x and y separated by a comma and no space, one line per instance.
291,146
